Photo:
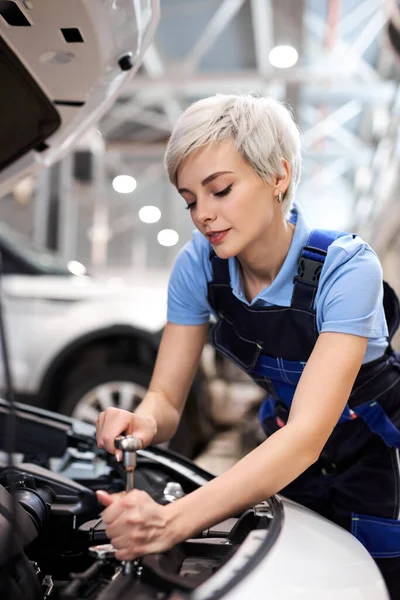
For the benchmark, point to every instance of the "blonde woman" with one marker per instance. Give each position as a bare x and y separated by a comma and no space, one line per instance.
301,312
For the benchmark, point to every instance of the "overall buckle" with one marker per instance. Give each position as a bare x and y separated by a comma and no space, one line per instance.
309,271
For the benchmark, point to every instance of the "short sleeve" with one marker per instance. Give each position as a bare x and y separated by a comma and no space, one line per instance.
187,288
351,296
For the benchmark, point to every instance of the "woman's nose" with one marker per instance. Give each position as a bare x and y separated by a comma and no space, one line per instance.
205,212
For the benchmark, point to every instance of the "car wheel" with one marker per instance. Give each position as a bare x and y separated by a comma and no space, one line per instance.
88,392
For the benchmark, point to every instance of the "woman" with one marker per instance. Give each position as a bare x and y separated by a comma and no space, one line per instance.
302,312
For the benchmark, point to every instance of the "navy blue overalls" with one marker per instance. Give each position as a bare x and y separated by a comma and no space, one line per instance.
356,481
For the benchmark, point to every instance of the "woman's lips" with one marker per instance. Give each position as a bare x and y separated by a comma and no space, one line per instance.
218,237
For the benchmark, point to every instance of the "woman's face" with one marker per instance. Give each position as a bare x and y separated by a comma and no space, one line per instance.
228,202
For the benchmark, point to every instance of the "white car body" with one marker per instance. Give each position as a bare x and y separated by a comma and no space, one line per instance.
83,79
300,556
79,344
312,559
44,315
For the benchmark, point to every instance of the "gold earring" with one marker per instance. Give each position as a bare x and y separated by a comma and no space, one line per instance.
279,197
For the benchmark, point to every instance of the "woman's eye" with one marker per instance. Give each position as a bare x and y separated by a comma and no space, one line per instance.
190,206
224,192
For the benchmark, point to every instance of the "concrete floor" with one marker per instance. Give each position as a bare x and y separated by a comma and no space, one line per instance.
224,450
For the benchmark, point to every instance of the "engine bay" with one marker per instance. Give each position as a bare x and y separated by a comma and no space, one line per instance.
54,543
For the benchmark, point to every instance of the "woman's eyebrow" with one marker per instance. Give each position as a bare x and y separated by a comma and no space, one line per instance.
206,180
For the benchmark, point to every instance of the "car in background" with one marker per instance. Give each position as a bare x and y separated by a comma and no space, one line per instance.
62,65
78,345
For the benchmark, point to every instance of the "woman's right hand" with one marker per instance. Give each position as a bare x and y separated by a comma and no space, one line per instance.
115,421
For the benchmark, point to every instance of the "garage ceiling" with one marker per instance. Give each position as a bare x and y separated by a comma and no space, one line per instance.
343,90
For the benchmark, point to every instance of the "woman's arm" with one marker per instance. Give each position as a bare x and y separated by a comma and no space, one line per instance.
137,525
320,398
177,361
157,417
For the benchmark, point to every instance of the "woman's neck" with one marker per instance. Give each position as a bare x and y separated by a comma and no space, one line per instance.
260,266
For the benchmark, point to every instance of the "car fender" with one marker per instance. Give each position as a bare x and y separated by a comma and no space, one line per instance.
54,326
311,559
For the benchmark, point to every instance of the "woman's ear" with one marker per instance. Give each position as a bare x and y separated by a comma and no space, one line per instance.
282,181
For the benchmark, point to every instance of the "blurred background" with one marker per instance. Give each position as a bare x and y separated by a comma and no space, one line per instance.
342,87
107,207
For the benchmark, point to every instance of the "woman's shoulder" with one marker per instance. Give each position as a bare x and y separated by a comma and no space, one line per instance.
351,247
351,268
194,256
187,289
350,291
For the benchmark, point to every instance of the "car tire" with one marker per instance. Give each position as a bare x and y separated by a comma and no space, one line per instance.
80,399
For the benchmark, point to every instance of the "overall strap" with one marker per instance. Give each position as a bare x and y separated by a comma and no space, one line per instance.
311,261
220,268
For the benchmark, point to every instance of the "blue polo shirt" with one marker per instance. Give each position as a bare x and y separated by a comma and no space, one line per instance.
349,297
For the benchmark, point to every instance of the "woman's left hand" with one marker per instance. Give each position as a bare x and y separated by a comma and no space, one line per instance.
135,524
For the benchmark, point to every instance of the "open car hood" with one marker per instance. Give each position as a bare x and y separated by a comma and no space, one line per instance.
62,64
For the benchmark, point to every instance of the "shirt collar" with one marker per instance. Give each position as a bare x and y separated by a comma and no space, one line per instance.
280,290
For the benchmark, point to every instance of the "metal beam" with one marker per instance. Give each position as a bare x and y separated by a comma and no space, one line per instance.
342,142
144,151
316,25
203,84
329,173
128,113
221,18
353,18
68,211
288,29
155,152
332,122
382,93
262,18
119,114
41,208
155,68
359,151
368,34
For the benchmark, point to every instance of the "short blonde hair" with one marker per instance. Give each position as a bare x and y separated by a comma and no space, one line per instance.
262,129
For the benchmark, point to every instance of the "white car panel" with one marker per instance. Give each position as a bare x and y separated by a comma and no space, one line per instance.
312,559
44,314
87,72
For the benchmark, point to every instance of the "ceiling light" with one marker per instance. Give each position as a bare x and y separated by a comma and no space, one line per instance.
124,184
168,237
149,214
76,268
283,57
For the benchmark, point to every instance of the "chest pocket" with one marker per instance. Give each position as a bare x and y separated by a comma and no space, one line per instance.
231,343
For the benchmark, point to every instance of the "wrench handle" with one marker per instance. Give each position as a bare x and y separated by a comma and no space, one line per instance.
129,480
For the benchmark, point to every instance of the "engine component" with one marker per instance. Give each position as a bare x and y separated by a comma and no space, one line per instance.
172,491
36,501
27,531
102,551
